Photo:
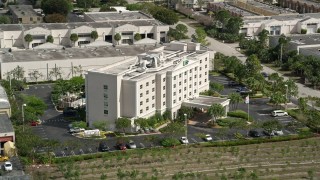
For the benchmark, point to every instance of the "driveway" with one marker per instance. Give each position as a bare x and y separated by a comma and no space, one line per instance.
230,50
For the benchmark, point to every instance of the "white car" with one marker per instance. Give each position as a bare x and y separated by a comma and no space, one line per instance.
279,113
278,132
7,166
208,137
184,140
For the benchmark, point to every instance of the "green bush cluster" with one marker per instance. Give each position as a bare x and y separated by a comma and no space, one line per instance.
170,142
240,114
227,122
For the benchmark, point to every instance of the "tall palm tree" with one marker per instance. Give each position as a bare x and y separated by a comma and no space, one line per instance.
235,99
216,111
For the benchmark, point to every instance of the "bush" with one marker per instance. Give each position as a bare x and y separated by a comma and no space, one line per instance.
79,124
240,114
170,142
303,31
226,122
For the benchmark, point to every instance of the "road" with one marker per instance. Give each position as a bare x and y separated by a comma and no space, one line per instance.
231,50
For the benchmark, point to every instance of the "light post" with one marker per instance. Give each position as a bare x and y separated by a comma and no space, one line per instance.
186,121
286,94
22,111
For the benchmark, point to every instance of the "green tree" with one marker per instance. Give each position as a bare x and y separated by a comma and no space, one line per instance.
123,123
135,7
223,16
18,73
56,7
5,20
117,37
86,4
106,8
314,120
35,105
28,38
216,111
94,35
142,122
102,125
55,18
234,24
277,98
50,39
216,86
235,99
137,37
231,64
240,72
185,110
76,84
200,36
302,103
253,65
74,37
174,128
263,38
181,28
167,16
271,125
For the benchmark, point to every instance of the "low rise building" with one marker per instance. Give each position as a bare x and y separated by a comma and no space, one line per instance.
25,14
301,6
4,102
153,82
106,24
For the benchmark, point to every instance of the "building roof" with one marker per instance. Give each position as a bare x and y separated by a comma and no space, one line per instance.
234,9
305,39
73,53
5,124
270,8
115,16
282,17
22,10
146,41
4,101
205,101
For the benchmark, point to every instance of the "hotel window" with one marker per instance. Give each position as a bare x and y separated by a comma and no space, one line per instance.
164,103
179,98
180,83
200,68
195,83
189,93
205,73
185,88
152,89
152,105
174,101
164,79
195,76
105,87
185,73
206,59
147,84
147,108
185,81
190,86
105,95
195,91
185,96
205,80
200,61
106,104
141,94
152,97
141,103
174,93
206,66
147,100
175,77
141,111
152,81
179,90
190,70
164,95
147,92
196,68
200,83
105,111
180,75
174,86
190,78
200,75
164,88
141,86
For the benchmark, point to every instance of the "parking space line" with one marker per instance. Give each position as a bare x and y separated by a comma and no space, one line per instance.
142,145
194,140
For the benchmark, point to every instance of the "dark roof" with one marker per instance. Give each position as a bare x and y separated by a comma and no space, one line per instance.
5,124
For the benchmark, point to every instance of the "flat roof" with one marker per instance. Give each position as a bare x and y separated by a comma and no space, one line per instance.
116,16
305,39
73,53
4,102
5,124
270,8
281,17
205,101
234,9
23,10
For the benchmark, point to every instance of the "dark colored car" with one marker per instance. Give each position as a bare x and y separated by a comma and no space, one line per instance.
233,83
254,133
121,146
264,74
103,147
243,90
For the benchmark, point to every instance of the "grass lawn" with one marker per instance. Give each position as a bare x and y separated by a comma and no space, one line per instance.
296,159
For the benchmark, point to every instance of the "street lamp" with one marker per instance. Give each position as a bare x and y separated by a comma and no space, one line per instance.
286,94
22,111
186,121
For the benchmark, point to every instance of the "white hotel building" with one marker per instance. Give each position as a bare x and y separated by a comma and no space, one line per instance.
156,81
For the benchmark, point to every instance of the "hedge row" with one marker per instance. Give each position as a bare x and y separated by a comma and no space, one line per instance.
240,114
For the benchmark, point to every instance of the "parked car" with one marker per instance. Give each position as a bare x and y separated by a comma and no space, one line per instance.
243,90
268,133
208,137
276,113
103,146
233,83
146,130
184,140
278,132
36,122
121,146
7,166
254,133
131,145
264,74
3,158
76,130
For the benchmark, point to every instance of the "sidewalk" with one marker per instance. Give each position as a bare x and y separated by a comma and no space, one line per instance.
230,50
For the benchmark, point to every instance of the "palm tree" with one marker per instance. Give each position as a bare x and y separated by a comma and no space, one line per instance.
74,37
28,38
216,111
235,99
94,35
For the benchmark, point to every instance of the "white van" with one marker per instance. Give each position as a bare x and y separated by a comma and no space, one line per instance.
279,113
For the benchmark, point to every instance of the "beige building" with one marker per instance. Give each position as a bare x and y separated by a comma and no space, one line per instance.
155,81
24,14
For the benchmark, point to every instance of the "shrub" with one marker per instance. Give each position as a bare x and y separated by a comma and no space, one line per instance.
226,122
170,142
303,31
79,124
240,114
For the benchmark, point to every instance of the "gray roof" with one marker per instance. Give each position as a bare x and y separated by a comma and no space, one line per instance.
15,177
234,9
5,124
305,39
115,16
4,102
73,53
23,10
282,17
270,8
